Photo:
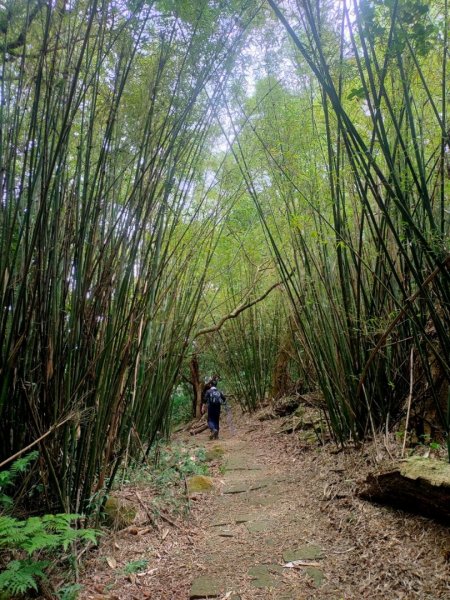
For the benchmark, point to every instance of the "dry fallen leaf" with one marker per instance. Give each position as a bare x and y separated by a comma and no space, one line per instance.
301,563
146,573
165,533
112,562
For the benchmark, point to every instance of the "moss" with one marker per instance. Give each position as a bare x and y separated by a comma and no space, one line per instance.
205,587
118,514
317,575
309,552
199,484
262,575
437,472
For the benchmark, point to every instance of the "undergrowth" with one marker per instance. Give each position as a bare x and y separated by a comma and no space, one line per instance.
166,470
27,546
180,406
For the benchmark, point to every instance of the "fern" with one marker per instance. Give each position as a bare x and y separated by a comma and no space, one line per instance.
6,501
5,478
42,533
8,477
135,566
20,576
69,592
21,464
32,535
36,534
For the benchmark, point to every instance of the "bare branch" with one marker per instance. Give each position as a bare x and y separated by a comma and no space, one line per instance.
237,311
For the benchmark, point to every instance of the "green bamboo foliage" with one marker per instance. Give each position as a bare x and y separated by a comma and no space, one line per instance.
244,350
373,280
103,119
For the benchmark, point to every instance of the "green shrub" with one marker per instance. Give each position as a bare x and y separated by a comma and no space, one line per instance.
21,575
69,592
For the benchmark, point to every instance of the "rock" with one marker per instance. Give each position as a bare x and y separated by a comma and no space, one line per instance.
261,501
199,484
436,472
205,587
238,488
316,575
262,577
309,438
240,463
221,522
259,486
242,519
286,406
258,526
267,414
291,424
309,552
214,453
118,513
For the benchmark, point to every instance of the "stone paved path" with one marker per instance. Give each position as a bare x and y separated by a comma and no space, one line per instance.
287,525
252,516
276,520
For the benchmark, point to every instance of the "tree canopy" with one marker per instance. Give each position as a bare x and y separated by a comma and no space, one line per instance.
165,164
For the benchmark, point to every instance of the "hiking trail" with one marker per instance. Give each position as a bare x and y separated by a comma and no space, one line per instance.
283,522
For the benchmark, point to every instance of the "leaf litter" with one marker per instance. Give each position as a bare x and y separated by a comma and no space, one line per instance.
310,493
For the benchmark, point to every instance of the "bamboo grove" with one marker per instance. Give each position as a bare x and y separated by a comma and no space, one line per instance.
355,163
105,106
152,182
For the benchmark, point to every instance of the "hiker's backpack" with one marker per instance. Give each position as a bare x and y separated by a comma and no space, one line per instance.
214,396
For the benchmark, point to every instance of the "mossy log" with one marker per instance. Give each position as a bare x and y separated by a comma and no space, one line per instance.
419,485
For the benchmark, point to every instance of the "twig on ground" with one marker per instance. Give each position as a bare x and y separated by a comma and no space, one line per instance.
167,520
147,512
186,492
411,380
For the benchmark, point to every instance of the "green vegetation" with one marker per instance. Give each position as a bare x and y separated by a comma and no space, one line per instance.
26,545
258,190
106,228
181,405
165,472
346,163
170,463
135,566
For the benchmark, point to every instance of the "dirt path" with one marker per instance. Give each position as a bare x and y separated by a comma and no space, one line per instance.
273,504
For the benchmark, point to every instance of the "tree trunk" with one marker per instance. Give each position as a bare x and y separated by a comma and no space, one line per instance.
419,485
197,387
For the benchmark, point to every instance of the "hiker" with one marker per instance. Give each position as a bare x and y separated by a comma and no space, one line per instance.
213,398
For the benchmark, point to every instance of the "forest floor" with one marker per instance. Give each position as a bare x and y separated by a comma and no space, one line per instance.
283,521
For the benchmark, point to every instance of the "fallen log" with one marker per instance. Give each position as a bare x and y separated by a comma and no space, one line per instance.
417,484
199,426
199,429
